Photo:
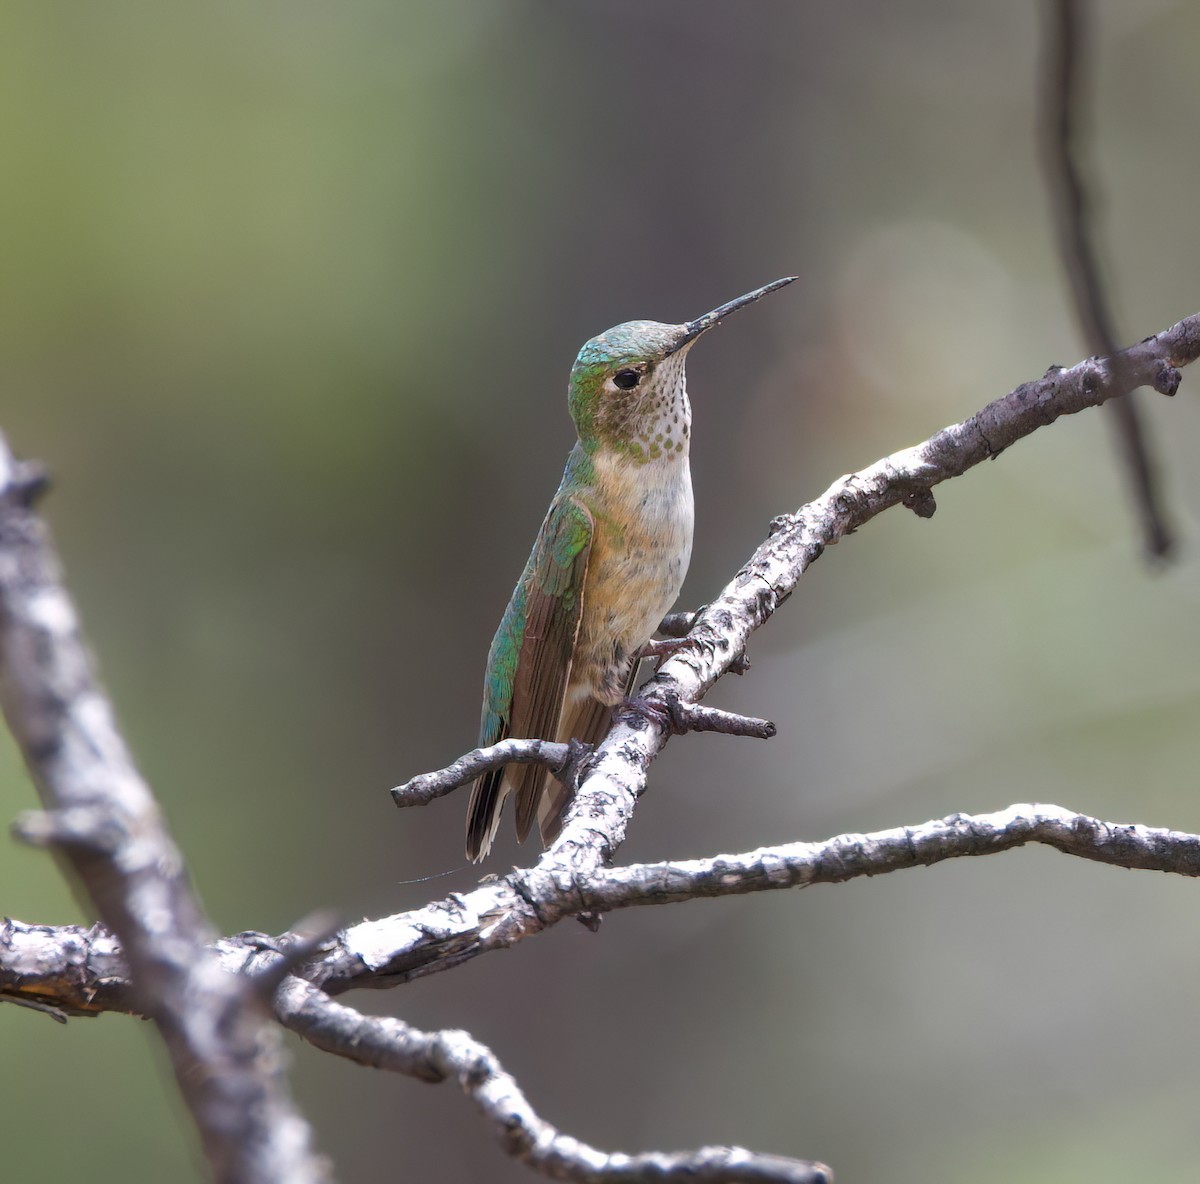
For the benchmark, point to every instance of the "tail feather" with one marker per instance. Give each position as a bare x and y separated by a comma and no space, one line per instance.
534,784
539,793
483,814
588,721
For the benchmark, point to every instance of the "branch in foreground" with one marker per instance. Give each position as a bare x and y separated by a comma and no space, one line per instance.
386,1043
74,969
1066,30
390,1044
102,818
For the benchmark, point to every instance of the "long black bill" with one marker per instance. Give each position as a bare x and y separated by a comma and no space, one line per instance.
693,329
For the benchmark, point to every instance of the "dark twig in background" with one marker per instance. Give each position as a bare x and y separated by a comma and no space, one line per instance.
1065,55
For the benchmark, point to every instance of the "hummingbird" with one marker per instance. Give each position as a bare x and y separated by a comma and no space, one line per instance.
607,565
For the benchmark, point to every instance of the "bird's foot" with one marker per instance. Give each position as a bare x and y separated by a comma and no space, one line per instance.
662,647
676,626
665,712
571,771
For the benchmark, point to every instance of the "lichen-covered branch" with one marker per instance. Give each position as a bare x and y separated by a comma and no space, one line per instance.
76,969
386,1043
849,856
103,821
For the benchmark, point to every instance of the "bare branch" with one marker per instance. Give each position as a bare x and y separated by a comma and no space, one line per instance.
429,786
1066,29
695,717
72,968
499,914
101,816
386,1043
77,970
563,758
680,718
850,856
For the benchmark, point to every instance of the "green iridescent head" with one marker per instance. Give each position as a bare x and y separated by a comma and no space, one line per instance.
623,379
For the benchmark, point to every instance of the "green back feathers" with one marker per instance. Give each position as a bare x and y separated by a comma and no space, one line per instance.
551,588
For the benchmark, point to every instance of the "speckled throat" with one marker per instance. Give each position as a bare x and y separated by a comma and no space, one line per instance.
655,421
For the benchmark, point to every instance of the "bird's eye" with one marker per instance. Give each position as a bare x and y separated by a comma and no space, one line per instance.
627,379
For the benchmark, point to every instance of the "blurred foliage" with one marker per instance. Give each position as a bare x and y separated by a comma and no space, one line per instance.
288,299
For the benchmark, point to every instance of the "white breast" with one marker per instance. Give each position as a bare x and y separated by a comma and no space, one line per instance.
640,555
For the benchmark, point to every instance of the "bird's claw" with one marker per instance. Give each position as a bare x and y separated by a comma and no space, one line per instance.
570,772
662,648
666,713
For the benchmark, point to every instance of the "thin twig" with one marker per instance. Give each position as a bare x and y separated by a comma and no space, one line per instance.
427,787
1066,32
680,718
386,1043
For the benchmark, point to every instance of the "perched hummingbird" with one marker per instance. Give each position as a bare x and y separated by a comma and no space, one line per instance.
607,565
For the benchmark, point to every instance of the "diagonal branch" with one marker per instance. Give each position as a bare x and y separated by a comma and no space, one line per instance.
449,931
1066,29
101,817
387,1043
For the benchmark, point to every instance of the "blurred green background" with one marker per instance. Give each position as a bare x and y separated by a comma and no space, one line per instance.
288,297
